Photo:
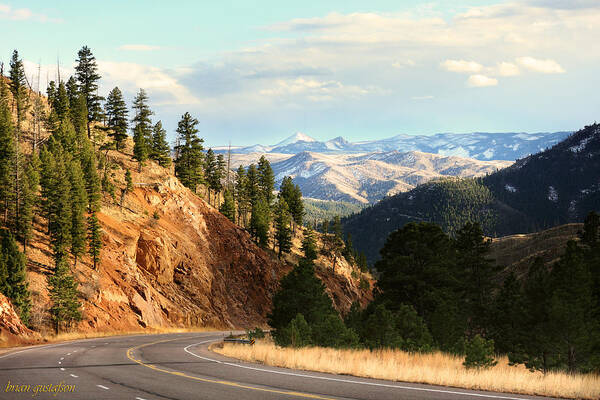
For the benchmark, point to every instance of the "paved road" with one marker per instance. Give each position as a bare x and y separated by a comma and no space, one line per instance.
180,366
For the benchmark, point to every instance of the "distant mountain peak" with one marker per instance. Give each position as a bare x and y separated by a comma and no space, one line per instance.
295,138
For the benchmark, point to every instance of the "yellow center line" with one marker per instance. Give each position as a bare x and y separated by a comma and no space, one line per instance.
220,382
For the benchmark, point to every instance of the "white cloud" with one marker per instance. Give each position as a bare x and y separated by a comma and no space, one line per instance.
403,63
313,89
461,66
138,47
547,66
23,14
163,86
481,81
507,69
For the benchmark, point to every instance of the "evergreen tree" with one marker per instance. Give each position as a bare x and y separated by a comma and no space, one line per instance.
309,246
210,172
94,239
18,87
88,77
477,272
252,185
61,103
142,128
509,311
79,203
72,91
60,212
266,179
189,158
293,197
51,92
228,206
92,180
161,152
283,233
116,113
260,221
63,295
7,158
13,281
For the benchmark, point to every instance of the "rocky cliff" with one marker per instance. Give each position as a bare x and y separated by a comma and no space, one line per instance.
169,259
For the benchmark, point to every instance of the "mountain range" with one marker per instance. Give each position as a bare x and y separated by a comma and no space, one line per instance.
478,145
366,178
553,187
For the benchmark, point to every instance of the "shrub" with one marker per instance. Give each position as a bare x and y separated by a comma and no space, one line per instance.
479,353
296,334
257,333
156,215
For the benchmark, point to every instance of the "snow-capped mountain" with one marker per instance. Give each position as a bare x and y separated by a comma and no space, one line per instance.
366,178
478,145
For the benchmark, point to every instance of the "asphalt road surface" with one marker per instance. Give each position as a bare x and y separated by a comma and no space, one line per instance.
180,366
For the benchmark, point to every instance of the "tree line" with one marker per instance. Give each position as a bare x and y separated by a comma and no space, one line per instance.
441,292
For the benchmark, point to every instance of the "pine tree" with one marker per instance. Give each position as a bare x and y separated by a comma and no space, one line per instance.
60,213
92,180
220,174
260,221
161,152
283,233
309,246
18,87
116,113
13,281
88,77
228,206
20,96
266,179
63,295
478,273
51,92
94,239
61,103
142,128
210,172
79,202
252,185
293,197
189,158
7,156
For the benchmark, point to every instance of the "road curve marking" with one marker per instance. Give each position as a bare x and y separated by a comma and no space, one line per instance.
74,376
186,349
102,387
220,382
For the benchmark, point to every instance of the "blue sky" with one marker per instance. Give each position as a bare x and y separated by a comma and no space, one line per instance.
255,72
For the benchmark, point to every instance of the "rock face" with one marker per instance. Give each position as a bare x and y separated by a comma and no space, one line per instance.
12,330
171,260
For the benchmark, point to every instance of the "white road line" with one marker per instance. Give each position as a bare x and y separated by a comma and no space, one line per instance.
68,354
139,398
60,362
62,369
74,376
102,387
186,349
62,358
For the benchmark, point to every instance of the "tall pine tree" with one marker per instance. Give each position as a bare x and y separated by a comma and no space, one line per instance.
88,77
116,113
189,158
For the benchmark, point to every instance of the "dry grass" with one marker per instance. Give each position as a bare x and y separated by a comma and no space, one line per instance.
433,368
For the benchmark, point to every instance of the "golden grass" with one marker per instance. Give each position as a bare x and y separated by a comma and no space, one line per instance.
432,368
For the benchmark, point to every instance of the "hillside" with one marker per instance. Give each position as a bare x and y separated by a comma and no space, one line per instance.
366,178
554,187
168,259
482,146
171,260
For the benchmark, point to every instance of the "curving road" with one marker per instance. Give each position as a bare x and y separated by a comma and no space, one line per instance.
180,366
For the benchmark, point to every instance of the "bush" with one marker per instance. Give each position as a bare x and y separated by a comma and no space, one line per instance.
479,353
156,215
364,284
296,334
257,333
331,332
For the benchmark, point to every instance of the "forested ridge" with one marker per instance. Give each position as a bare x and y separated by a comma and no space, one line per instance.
556,186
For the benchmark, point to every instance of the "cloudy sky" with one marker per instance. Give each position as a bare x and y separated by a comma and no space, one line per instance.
257,71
